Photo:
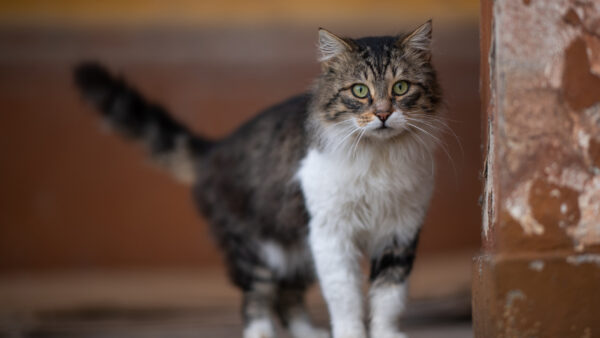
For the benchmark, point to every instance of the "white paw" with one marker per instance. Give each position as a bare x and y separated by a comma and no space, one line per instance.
349,329
259,328
350,335
379,334
317,333
306,330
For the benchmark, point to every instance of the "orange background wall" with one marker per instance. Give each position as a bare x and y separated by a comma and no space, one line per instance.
74,196
232,12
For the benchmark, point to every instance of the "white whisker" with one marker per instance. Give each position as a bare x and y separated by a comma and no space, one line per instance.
424,144
438,142
441,122
353,152
341,142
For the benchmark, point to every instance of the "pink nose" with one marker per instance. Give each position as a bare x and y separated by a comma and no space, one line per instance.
383,116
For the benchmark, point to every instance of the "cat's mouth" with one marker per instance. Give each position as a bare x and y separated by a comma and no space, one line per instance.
385,132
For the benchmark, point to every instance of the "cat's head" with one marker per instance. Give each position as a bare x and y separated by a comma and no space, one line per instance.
377,87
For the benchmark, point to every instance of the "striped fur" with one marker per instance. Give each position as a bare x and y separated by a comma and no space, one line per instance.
171,144
311,182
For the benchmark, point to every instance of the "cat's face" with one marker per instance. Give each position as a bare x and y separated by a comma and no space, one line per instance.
377,88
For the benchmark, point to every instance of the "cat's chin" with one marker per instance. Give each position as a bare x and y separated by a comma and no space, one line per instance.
385,133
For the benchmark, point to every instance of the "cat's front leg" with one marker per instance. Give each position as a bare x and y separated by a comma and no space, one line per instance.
390,266
336,259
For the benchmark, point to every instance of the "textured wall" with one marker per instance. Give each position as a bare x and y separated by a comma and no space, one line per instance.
541,217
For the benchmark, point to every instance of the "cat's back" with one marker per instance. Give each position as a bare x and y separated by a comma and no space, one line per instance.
251,172
276,135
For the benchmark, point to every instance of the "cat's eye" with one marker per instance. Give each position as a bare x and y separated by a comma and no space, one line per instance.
360,90
400,87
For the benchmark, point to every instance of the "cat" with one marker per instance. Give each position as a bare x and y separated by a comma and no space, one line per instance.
310,185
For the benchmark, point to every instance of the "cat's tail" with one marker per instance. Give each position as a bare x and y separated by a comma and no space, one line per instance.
171,144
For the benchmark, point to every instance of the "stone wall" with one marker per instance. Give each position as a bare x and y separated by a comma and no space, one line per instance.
539,272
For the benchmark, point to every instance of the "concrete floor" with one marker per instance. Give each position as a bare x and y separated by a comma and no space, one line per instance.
226,331
215,322
178,304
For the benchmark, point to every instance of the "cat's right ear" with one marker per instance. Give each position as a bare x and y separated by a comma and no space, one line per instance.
419,41
331,45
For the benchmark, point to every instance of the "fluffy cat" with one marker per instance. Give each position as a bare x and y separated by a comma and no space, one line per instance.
312,184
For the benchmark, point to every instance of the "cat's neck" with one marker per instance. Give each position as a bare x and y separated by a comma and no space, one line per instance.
371,156
358,147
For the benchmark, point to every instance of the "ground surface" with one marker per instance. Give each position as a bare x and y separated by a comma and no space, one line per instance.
182,303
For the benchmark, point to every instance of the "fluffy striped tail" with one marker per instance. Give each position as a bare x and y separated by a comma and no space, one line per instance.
171,144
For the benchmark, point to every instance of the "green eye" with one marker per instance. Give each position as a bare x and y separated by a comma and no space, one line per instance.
400,88
360,90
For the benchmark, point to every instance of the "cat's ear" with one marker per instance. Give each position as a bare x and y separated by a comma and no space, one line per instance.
419,40
331,45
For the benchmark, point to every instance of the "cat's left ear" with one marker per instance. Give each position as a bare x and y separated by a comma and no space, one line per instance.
332,46
419,40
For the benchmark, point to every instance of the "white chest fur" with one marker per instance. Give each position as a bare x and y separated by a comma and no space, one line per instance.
376,194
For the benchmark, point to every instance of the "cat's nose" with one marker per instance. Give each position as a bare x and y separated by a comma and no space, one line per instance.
383,115
383,106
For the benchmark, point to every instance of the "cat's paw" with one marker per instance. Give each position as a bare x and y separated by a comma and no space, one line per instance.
388,335
317,333
260,328
308,331
350,334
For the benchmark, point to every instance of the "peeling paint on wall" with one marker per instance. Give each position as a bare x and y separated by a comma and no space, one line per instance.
537,265
513,320
518,207
548,125
584,259
488,190
511,311
542,254
587,231
581,87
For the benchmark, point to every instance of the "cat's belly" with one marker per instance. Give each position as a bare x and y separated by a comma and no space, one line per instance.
377,198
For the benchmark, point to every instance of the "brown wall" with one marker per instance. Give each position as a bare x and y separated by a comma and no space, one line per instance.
540,271
75,196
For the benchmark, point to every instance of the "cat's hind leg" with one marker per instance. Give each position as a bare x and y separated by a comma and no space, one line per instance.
256,310
291,309
258,285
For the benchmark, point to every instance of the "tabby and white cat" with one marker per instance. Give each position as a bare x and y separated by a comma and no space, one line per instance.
312,184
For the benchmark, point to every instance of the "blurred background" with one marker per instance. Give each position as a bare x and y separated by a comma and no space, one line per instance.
95,241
